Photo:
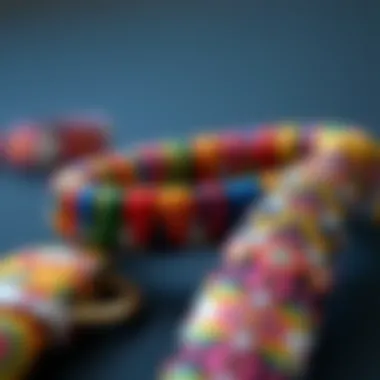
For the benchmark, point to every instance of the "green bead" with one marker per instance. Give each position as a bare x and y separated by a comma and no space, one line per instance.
108,216
180,161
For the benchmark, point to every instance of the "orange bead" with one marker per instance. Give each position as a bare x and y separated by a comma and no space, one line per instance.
175,206
288,142
206,150
356,144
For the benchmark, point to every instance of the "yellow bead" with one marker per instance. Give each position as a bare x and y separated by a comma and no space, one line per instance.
270,179
23,342
287,140
354,143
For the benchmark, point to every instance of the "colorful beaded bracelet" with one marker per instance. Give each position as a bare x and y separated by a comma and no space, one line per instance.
114,199
257,315
202,187
46,292
46,145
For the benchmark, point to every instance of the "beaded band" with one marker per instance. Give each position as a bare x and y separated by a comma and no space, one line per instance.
46,292
201,186
41,146
257,315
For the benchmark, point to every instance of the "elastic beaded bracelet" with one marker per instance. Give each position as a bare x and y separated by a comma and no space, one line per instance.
130,200
258,315
42,146
146,217
204,157
45,293
84,201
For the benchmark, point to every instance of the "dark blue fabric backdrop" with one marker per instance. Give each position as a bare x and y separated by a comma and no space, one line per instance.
171,68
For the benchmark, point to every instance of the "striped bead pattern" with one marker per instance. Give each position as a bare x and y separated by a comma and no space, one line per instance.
202,186
145,217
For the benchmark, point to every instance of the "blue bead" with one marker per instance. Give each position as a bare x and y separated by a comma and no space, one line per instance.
86,203
240,194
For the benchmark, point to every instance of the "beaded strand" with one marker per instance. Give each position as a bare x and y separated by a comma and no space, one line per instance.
258,314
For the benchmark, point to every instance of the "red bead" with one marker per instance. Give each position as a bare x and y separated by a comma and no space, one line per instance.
80,137
263,148
139,215
235,152
212,210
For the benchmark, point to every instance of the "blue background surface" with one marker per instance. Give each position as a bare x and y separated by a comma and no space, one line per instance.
172,68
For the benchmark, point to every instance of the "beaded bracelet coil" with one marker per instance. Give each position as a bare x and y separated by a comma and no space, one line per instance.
45,292
173,194
258,313
256,316
46,145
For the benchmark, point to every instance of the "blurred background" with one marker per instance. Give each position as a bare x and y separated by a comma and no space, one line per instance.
165,68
